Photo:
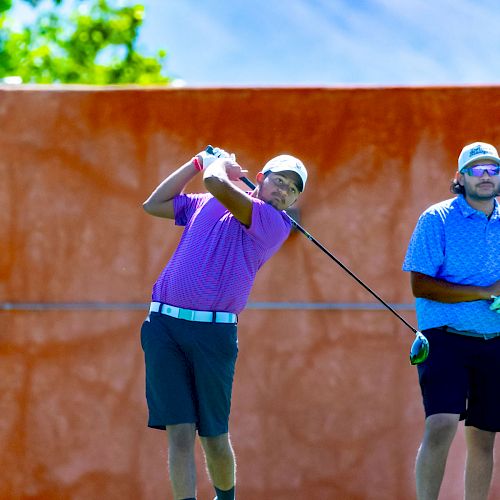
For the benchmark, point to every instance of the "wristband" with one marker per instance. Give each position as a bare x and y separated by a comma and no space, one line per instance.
197,165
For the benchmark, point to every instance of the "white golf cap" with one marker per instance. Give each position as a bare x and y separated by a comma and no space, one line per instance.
477,151
283,163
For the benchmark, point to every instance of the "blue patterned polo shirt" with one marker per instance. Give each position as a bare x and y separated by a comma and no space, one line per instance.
454,242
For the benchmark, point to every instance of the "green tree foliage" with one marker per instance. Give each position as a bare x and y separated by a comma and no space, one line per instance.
95,44
5,5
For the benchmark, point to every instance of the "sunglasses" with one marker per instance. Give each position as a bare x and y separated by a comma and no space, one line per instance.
479,170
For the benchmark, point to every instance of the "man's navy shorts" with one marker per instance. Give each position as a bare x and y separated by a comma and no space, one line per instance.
461,376
189,372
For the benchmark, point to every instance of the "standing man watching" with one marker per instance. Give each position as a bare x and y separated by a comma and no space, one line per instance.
190,335
453,258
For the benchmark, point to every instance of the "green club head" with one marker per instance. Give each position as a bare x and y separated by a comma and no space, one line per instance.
419,349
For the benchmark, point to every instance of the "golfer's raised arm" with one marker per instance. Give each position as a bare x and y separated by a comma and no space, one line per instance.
160,202
218,179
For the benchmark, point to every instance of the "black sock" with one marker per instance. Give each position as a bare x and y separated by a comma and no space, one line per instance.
224,495
190,498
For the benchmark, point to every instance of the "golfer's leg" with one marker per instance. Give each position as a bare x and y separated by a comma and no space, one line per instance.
439,432
479,464
221,463
181,461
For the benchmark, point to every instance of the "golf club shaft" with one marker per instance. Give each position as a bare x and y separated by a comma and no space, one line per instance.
345,268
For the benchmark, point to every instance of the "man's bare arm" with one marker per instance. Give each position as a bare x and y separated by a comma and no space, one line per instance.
427,287
160,202
218,179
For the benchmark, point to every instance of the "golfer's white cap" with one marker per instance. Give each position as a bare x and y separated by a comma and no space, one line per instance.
477,151
284,163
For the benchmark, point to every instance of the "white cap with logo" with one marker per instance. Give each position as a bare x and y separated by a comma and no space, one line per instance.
477,151
284,163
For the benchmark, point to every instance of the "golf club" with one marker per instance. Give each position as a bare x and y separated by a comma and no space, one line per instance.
420,346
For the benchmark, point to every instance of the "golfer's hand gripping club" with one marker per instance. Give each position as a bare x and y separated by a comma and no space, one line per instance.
210,154
420,346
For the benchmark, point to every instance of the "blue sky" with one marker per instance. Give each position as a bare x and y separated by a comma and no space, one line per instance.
324,42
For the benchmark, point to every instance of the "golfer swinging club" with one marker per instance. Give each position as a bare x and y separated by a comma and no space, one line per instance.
453,257
190,335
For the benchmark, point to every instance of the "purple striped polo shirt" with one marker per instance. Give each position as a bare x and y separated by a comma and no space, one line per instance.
214,266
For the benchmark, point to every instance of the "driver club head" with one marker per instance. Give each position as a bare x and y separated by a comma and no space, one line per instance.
419,349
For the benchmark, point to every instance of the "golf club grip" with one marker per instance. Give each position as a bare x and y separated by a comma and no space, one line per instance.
345,268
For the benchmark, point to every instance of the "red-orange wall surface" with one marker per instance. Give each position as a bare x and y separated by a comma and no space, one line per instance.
325,405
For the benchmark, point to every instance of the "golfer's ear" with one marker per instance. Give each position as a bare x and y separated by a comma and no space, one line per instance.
458,178
260,177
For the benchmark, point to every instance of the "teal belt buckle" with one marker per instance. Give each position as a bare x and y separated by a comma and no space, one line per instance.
225,317
186,314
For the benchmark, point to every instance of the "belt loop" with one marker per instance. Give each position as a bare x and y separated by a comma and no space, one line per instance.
214,317
160,309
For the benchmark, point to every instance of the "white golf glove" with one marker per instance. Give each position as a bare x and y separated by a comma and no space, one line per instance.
495,305
208,158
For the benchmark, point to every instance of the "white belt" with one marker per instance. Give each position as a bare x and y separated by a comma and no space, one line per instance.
192,315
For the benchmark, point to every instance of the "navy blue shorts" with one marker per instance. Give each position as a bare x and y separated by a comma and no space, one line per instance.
461,376
189,372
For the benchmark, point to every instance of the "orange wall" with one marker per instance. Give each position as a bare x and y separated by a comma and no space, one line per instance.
326,405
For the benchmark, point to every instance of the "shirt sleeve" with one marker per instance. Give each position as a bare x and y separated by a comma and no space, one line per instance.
270,227
185,205
425,252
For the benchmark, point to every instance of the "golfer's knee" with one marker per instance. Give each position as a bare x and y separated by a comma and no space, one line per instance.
218,447
181,438
480,441
440,429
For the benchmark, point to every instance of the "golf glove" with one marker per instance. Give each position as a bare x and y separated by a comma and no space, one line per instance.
495,305
209,158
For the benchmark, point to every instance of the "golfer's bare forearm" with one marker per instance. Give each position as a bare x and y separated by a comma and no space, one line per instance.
160,202
427,287
220,186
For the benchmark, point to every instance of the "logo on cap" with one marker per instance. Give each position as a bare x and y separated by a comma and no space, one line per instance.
478,150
